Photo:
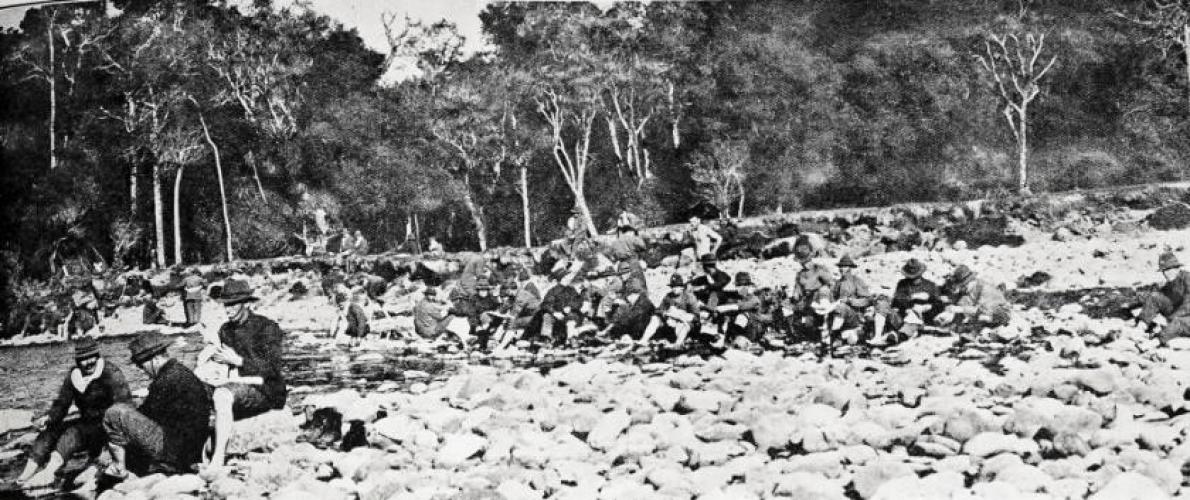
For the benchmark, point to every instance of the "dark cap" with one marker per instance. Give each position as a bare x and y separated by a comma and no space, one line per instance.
85,347
147,345
846,262
914,268
676,280
1168,261
236,292
743,279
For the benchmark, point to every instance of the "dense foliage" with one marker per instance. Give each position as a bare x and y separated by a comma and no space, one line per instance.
666,109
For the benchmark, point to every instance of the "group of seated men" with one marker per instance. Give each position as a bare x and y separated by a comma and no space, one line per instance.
583,302
240,376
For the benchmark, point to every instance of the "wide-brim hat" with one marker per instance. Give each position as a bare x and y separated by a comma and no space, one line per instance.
1168,261
634,286
961,274
236,292
430,291
147,345
708,259
85,347
676,280
846,262
743,279
914,268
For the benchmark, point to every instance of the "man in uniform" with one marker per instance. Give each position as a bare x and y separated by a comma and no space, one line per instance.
812,277
677,315
1172,301
192,291
973,300
916,301
709,285
851,289
706,240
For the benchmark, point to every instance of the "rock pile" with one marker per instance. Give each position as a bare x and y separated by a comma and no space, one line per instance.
1075,415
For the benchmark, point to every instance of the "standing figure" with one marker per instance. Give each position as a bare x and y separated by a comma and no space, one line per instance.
192,296
706,240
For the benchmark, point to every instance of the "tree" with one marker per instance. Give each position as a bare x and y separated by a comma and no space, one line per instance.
1168,25
1013,65
720,173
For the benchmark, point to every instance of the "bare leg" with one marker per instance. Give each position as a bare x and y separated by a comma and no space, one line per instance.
30,468
119,465
650,330
223,400
47,474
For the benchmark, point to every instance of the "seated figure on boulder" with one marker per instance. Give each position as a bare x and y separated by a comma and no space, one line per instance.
353,317
850,288
93,386
254,345
630,314
431,315
677,317
915,302
740,319
973,301
166,433
709,285
812,277
1172,301
838,320
559,313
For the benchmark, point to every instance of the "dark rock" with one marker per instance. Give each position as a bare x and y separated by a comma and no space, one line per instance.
992,231
1172,216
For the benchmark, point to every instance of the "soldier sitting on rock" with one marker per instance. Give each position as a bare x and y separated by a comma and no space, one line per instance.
915,302
1172,301
850,288
559,312
676,317
630,315
709,285
837,320
973,301
740,319
812,277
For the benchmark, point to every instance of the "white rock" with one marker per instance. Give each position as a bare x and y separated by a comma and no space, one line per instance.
11,420
987,444
173,486
604,435
457,448
1130,486
516,490
809,486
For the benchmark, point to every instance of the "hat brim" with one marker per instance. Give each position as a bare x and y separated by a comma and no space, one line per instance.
239,299
79,356
912,273
148,353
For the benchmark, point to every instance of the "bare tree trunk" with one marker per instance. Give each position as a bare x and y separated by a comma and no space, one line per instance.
53,81
476,218
740,211
1186,52
178,216
1023,150
222,194
525,205
416,234
158,217
580,201
256,176
133,173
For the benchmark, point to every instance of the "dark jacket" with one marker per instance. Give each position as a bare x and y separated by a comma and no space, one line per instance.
906,288
632,319
1178,292
707,287
853,291
357,322
110,388
179,403
562,299
260,342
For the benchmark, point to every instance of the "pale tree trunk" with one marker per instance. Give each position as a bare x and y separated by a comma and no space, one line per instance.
52,78
256,176
133,173
1023,150
740,211
1186,53
178,216
158,217
580,201
525,205
222,194
476,218
574,169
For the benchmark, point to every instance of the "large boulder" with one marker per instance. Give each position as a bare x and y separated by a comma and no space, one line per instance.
1172,216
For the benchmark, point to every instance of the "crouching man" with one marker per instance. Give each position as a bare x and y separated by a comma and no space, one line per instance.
94,385
1172,301
167,432
973,301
